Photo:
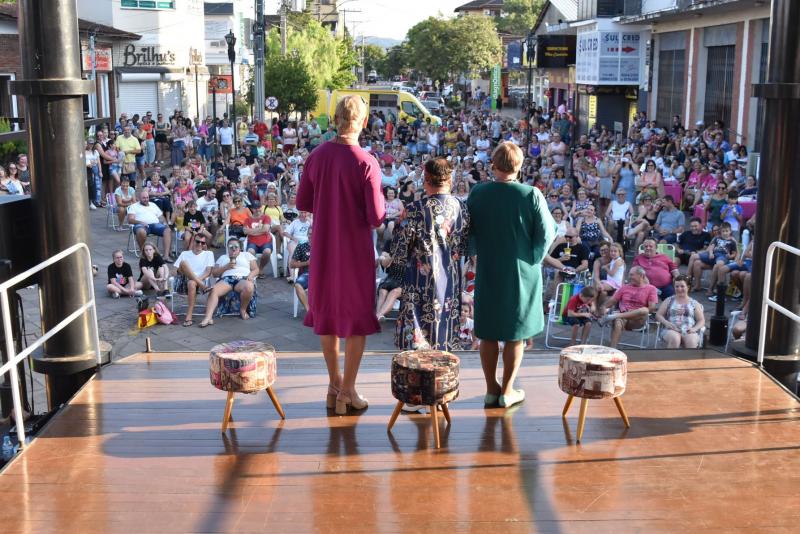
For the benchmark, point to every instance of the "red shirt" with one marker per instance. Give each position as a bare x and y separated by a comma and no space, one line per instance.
261,130
575,304
253,222
658,268
630,297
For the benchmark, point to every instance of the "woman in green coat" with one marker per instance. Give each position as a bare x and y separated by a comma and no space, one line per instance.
512,230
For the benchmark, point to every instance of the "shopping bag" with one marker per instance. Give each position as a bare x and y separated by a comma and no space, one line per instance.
163,314
147,318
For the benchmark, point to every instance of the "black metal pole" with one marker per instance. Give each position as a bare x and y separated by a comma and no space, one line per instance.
233,111
53,89
777,216
530,53
214,102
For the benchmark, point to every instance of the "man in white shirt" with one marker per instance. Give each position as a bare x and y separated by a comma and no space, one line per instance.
225,137
194,271
147,219
237,271
208,205
297,232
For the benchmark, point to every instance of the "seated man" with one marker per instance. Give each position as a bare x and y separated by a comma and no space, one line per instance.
670,222
193,271
635,301
208,205
569,258
259,239
236,271
148,219
301,259
690,242
120,278
660,270
297,232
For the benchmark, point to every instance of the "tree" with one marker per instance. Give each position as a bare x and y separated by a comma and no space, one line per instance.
396,61
442,48
373,56
519,16
289,80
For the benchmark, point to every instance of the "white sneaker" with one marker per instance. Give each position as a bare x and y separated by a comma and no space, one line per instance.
92,206
114,295
138,293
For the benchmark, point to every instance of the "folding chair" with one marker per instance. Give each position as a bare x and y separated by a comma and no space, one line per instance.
111,214
295,298
701,333
133,245
643,330
564,291
173,295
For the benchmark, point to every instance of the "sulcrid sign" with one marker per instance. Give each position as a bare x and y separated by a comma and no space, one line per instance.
146,56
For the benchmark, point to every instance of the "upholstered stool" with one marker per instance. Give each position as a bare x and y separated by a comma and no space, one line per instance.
425,377
243,367
592,372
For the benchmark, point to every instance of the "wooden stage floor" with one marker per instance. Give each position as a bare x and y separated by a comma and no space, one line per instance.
714,445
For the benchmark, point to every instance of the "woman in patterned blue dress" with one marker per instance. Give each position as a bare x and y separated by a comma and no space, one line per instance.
430,245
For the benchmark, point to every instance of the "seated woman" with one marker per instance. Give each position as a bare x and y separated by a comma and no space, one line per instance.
194,223
236,271
275,213
120,278
237,217
591,231
394,209
300,260
562,226
153,272
391,287
681,317
644,221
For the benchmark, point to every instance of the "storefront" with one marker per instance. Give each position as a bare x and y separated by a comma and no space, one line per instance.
97,61
609,66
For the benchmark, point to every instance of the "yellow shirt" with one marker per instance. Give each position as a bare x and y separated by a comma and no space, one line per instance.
275,214
129,145
242,130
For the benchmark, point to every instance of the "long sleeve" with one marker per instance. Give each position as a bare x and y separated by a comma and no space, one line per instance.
406,238
373,197
544,230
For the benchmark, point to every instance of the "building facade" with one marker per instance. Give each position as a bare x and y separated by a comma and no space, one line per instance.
705,56
553,81
165,69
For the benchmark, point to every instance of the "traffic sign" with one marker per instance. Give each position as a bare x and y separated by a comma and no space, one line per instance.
271,103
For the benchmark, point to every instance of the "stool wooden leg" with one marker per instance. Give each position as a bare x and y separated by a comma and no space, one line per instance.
275,402
582,418
446,412
435,423
566,406
228,409
621,408
395,413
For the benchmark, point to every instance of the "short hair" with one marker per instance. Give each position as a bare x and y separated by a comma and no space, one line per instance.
696,219
589,292
725,225
653,239
507,158
681,278
350,113
117,251
640,270
438,171
733,194
669,197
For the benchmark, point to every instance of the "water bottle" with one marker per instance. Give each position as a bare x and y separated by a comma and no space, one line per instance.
8,449
745,237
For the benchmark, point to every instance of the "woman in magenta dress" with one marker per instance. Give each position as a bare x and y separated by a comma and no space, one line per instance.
341,186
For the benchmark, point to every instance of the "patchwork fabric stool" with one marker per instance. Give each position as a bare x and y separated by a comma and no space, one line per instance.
592,372
243,367
425,377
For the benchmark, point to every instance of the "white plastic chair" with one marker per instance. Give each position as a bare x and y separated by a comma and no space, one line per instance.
564,291
111,214
643,330
173,295
295,298
732,321
701,333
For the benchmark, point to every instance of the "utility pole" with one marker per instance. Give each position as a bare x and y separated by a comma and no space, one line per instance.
93,56
258,85
284,9
530,55
363,63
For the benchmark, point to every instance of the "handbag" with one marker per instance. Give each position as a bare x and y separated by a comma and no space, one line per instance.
147,318
129,167
163,314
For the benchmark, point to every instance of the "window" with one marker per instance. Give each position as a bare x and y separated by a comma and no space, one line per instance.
148,4
719,84
411,109
671,70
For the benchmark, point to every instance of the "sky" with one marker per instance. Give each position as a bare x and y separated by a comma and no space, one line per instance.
387,18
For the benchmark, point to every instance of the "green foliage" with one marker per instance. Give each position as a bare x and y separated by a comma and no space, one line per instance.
10,149
290,81
441,48
519,16
396,62
373,55
329,60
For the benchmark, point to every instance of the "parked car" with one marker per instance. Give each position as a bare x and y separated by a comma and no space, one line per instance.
372,77
434,105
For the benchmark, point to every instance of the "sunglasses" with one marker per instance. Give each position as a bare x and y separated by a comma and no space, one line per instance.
233,247
199,242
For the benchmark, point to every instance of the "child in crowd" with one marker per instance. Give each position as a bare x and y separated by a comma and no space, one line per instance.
579,312
720,252
468,341
731,213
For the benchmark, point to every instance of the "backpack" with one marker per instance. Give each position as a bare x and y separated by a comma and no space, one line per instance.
163,314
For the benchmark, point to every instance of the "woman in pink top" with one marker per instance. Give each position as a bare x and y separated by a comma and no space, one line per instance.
341,186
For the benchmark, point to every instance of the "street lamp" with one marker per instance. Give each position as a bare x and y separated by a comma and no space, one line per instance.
231,40
531,55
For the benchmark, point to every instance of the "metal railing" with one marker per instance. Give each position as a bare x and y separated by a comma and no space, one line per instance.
13,357
766,302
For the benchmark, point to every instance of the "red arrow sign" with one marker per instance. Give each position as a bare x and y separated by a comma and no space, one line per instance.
628,49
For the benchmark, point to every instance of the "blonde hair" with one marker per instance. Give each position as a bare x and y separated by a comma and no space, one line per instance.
350,114
507,158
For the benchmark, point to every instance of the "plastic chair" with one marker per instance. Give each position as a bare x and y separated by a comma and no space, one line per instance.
295,298
732,321
173,295
701,333
564,291
111,214
643,330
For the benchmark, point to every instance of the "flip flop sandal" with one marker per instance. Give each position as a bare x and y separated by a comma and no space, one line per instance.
188,322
